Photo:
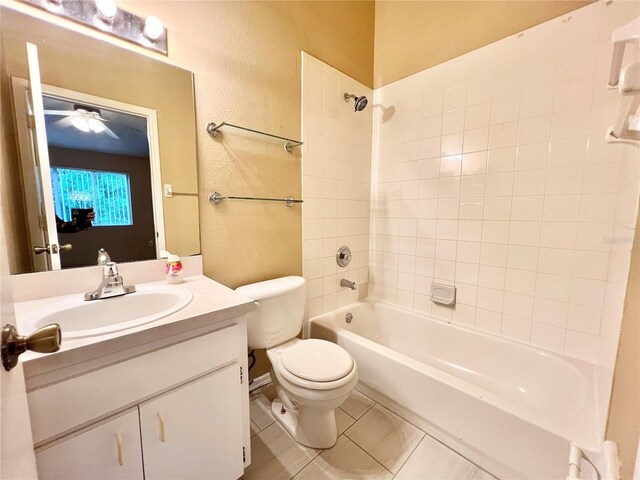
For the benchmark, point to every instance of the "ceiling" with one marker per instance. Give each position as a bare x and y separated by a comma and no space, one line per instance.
411,36
131,131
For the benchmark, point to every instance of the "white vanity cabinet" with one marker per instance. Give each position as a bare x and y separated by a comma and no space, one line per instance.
194,429
172,409
109,450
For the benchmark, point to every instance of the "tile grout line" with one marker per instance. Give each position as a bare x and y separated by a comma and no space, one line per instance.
424,434
350,416
363,414
361,448
306,464
369,455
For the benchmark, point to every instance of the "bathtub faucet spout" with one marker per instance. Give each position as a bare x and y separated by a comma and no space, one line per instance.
346,283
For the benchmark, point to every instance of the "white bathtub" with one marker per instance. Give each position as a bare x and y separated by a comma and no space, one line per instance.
511,408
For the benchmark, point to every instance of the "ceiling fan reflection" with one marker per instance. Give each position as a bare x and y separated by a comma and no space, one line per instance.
83,117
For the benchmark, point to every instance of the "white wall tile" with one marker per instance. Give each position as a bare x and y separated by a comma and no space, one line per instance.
336,168
488,321
584,319
499,180
532,157
548,336
516,328
474,163
520,281
529,182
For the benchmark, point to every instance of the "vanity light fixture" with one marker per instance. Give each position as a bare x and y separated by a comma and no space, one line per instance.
106,10
105,16
153,28
53,6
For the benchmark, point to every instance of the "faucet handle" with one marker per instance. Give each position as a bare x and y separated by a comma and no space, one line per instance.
110,269
103,257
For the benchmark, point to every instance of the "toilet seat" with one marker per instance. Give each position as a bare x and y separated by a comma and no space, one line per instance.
317,360
316,364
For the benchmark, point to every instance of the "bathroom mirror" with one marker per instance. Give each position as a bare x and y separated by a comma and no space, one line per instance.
99,153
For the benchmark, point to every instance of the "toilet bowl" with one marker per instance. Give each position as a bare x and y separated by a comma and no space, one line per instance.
311,377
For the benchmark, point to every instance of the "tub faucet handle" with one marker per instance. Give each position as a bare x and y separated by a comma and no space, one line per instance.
343,257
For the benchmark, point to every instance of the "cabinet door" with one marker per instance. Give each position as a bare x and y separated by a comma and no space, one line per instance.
195,431
108,450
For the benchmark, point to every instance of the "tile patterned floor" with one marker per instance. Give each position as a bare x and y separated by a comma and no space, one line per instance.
373,443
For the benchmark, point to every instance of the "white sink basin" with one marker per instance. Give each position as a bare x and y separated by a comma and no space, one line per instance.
79,318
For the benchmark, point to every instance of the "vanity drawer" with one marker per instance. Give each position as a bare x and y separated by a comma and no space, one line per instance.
65,406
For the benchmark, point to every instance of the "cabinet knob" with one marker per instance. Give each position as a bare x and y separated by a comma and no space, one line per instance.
44,340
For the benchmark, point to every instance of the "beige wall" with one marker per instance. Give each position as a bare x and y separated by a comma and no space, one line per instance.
72,61
411,36
246,60
624,413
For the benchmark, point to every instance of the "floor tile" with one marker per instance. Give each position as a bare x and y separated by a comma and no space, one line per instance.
269,391
431,460
253,428
276,456
343,420
357,404
260,411
385,436
345,460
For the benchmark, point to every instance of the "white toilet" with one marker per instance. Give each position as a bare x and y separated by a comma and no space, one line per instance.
312,377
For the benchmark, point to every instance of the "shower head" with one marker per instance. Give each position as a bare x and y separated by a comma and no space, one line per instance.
360,102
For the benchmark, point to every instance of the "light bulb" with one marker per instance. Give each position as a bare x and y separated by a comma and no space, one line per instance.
106,9
95,125
80,123
153,28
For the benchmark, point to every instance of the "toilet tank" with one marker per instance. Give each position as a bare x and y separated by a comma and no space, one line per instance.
279,313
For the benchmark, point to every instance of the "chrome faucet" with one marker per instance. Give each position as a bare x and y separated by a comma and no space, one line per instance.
103,257
111,284
346,283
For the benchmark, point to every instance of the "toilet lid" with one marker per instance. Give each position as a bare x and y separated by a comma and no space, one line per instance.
317,360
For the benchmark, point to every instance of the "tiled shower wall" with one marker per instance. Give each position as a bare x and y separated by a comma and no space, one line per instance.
491,172
336,175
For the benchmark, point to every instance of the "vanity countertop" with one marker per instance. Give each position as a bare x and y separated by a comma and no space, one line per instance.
212,304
